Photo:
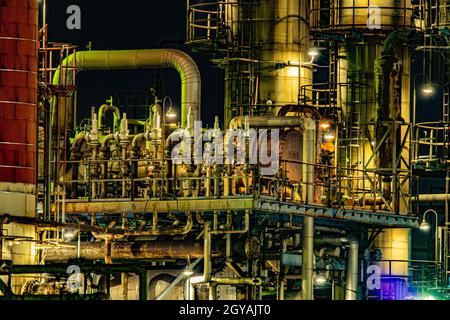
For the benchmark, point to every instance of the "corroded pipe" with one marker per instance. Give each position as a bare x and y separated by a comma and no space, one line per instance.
128,251
157,250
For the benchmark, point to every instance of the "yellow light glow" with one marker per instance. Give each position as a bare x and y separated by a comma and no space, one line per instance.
325,125
293,72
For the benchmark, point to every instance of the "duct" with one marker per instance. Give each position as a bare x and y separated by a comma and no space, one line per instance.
139,59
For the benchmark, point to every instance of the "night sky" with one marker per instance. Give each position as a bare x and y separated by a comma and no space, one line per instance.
132,24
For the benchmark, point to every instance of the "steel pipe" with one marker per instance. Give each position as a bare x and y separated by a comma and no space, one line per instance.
308,259
267,122
138,59
128,250
351,285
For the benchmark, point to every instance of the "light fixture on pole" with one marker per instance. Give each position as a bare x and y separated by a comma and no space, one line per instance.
425,226
171,114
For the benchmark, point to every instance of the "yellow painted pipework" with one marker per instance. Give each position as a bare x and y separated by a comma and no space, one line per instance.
135,59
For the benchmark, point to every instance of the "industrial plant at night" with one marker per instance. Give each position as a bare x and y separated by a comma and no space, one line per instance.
301,152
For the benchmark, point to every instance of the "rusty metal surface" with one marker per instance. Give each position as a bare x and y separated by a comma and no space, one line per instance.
128,250
18,90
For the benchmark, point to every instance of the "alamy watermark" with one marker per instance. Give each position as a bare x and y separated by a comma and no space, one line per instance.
235,147
374,18
74,19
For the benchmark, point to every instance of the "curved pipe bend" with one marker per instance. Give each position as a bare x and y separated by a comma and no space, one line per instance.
139,59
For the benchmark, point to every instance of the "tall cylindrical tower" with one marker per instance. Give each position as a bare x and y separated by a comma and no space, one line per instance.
371,112
18,116
282,34
268,63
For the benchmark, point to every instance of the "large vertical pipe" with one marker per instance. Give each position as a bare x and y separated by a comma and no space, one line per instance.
18,117
207,268
309,148
351,284
308,258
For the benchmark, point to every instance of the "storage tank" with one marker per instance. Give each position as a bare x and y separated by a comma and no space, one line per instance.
18,118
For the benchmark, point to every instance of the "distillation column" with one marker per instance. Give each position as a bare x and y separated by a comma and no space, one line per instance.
273,41
362,113
18,118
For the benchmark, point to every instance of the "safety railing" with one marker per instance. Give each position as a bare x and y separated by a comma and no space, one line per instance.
333,186
347,15
431,143
204,21
422,277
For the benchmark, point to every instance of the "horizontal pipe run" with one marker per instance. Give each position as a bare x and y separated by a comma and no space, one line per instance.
141,250
432,198
61,269
268,122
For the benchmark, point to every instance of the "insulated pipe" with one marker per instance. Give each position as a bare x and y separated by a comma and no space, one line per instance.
432,197
308,258
207,263
139,59
268,122
128,250
351,285
309,148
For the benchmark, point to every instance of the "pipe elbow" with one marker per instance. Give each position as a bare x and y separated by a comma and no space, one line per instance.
138,139
107,140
